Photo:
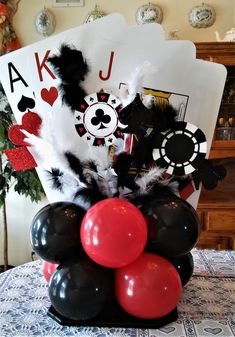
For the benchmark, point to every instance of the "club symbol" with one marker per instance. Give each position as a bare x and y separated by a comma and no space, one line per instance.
100,118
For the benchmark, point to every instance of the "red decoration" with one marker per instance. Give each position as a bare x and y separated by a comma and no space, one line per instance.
150,287
48,269
20,158
186,191
9,40
113,232
49,95
30,122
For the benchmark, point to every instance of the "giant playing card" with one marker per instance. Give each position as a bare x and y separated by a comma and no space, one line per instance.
113,52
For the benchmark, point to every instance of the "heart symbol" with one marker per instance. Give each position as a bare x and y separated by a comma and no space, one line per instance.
25,102
82,106
50,95
214,331
81,130
30,122
167,329
103,97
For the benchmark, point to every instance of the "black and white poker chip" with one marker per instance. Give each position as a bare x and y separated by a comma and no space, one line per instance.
180,150
97,119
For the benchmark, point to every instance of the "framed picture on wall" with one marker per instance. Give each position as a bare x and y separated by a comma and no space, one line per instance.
68,3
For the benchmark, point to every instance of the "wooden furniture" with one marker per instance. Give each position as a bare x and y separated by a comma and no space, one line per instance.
216,208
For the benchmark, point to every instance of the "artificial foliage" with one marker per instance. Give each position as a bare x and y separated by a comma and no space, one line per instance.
26,182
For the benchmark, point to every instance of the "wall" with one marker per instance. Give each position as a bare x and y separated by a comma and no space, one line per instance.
20,210
175,16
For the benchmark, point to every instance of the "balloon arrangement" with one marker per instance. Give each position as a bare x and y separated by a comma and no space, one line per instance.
90,256
125,236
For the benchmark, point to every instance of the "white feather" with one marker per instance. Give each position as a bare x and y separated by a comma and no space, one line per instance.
119,146
61,129
135,83
154,175
149,101
172,185
47,156
42,150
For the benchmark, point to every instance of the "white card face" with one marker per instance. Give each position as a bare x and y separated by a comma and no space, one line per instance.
113,51
25,72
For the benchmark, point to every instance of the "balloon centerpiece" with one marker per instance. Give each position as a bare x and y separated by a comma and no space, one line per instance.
107,268
116,248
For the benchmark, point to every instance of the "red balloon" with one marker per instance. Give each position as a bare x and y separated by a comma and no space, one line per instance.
113,232
149,288
48,269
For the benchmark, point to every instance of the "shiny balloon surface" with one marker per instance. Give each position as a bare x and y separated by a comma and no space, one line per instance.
150,287
79,290
113,232
173,226
48,269
55,232
184,265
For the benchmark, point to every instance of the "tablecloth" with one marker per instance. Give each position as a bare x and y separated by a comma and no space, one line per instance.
206,308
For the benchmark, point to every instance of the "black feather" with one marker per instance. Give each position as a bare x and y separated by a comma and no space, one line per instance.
121,167
164,117
72,69
75,165
90,194
158,193
143,151
55,175
136,116
92,166
72,95
139,118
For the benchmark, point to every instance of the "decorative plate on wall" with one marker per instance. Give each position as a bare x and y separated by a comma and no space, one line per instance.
148,14
93,15
202,16
45,22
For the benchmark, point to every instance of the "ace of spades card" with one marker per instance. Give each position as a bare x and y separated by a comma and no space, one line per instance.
113,51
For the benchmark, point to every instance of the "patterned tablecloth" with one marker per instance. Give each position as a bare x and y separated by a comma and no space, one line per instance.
206,308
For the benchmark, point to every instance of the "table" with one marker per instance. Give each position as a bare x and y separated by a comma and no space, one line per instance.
206,308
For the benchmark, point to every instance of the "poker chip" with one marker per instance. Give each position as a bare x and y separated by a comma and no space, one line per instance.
97,119
180,150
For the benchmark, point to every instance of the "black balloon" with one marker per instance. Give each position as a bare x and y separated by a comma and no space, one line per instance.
55,232
184,265
173,225
79,290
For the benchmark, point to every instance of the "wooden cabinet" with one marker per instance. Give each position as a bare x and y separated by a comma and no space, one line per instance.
219,52
216,208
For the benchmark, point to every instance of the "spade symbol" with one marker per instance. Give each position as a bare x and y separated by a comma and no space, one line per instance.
26,103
